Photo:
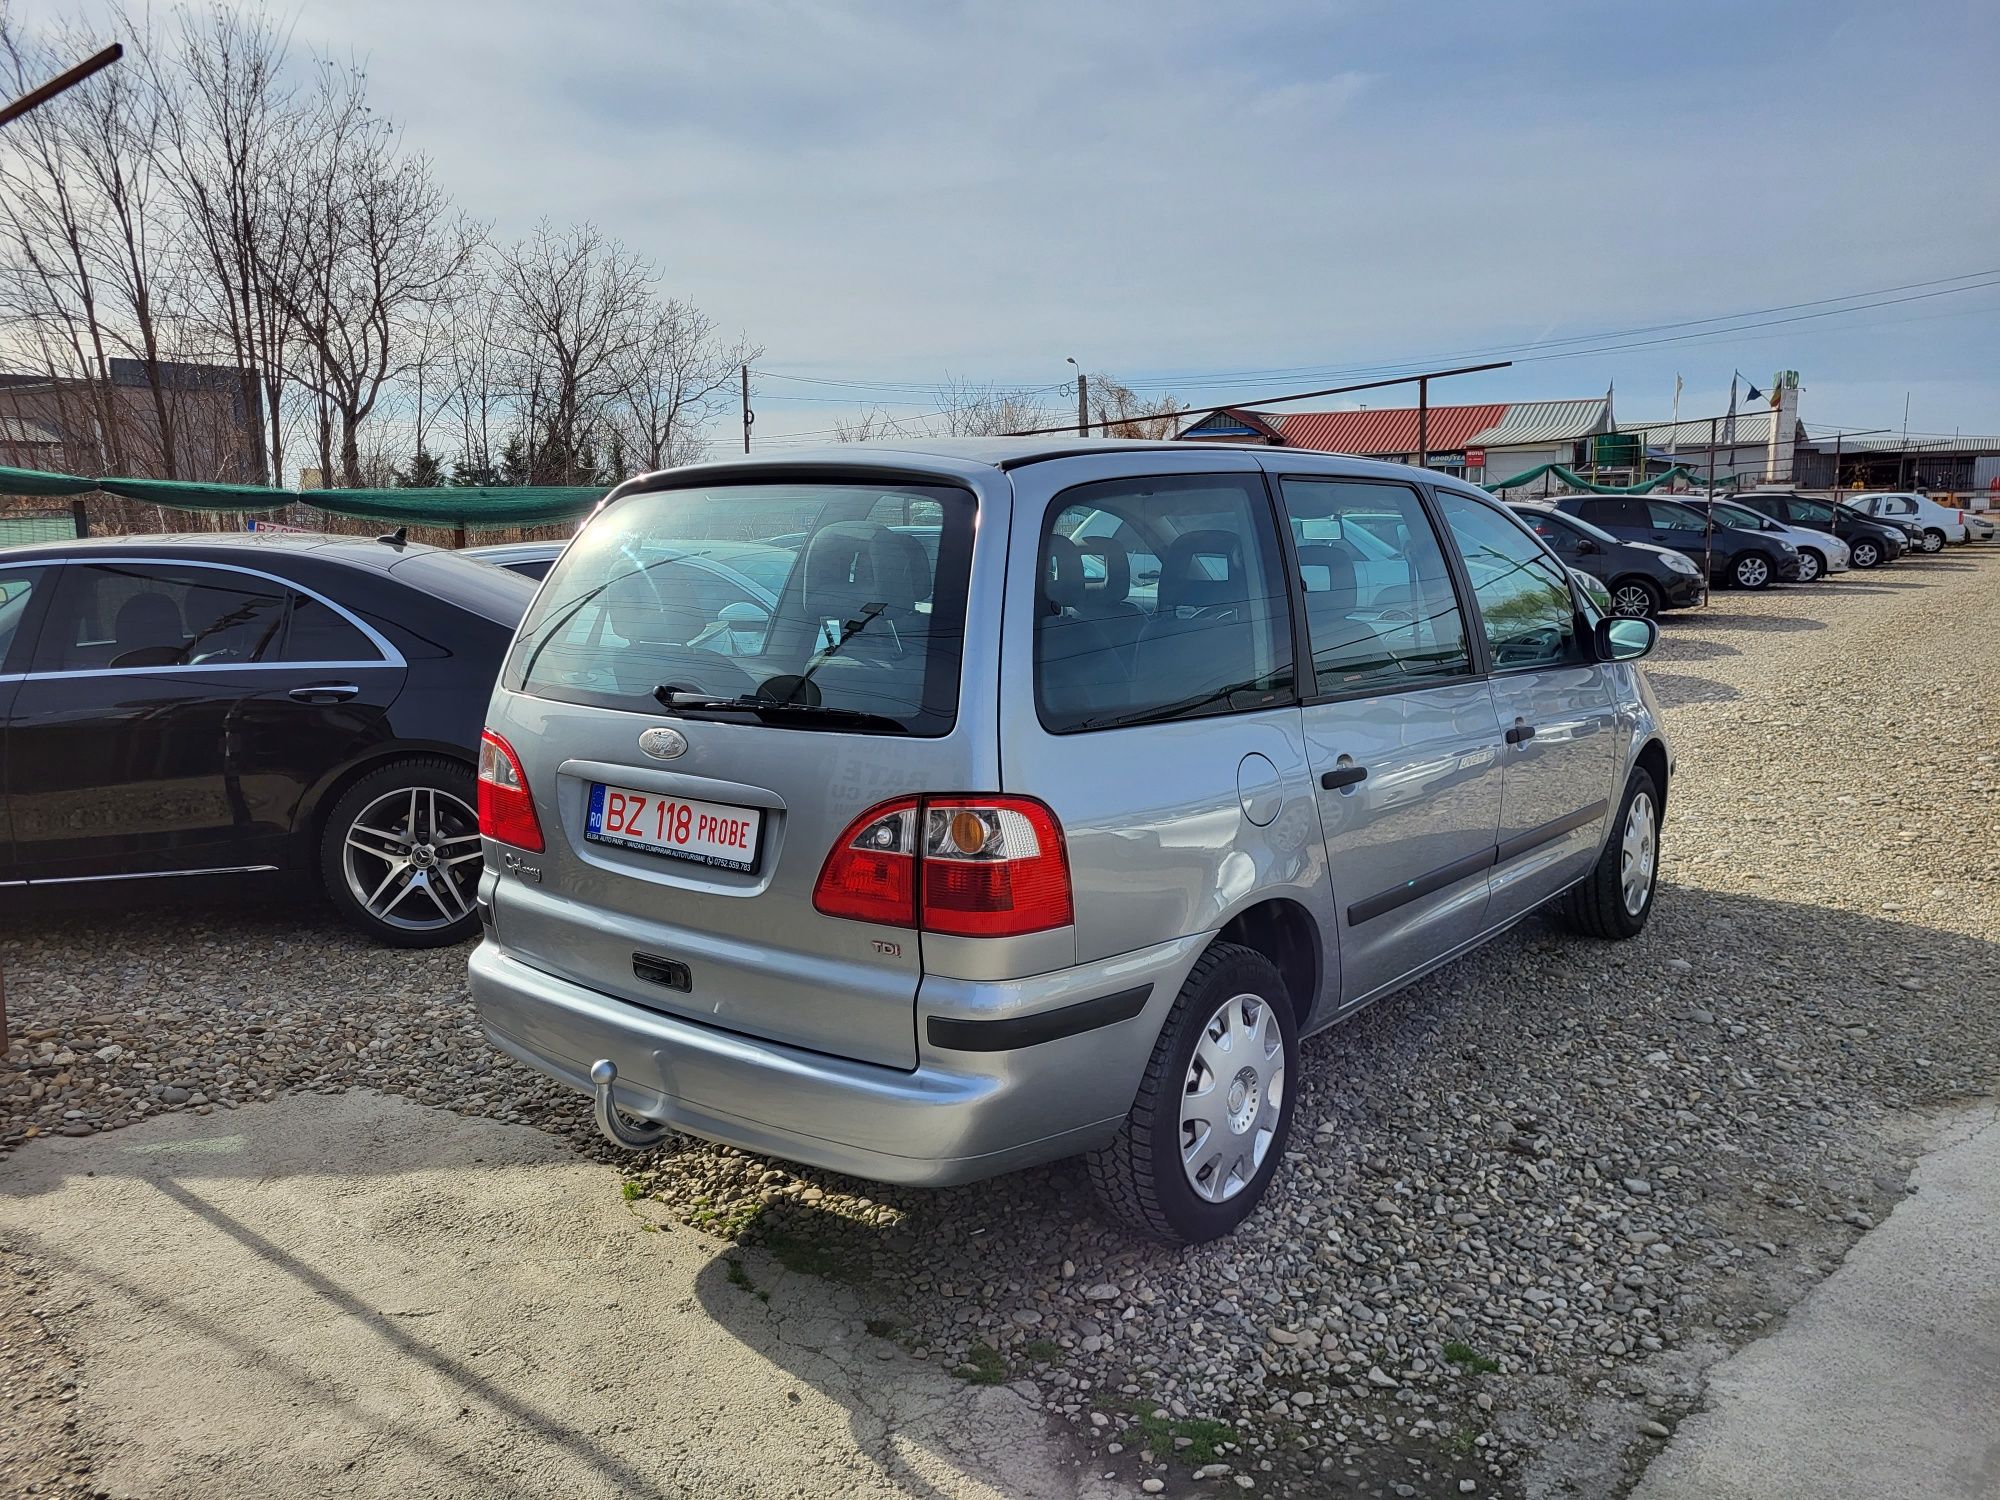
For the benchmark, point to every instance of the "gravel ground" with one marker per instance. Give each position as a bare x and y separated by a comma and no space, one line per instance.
1527,1201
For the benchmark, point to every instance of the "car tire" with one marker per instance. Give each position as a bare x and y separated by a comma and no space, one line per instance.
399,854
1602,905
1637,598
1812,566
1751,570
1865,554
1933,540
1140,1176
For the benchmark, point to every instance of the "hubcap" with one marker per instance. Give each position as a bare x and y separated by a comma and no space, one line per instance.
1232,1097
1752,571
1637,852
1808,567
1933,542
1631,601
412,858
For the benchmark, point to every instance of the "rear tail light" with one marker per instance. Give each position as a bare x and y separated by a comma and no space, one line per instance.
506,807
970,866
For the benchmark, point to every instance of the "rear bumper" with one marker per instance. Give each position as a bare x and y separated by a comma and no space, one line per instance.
959,1116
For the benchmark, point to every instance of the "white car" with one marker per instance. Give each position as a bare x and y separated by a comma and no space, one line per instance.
1978,528
1937,524
1820,552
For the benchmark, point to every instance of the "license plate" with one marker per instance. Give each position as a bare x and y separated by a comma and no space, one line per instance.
708,833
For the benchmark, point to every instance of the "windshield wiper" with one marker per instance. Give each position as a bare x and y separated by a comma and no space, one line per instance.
688,705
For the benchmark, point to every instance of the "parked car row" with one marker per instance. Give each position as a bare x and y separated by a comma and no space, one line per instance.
1647,550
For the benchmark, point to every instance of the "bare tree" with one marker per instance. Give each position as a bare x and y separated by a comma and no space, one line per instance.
378,246
572,309
676,379
1117,412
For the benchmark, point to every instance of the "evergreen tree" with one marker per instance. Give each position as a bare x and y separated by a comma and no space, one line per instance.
424,473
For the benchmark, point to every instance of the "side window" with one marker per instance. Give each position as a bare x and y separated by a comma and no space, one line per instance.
1665,517
17,586
1379,603
1159,598
1614,512
1560,538
1524,596
127,615
318,632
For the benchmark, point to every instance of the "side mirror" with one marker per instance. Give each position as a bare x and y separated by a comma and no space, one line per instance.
1585,546
741,614
1624,639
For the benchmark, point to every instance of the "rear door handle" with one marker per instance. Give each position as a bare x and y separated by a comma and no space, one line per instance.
323,692
1521,733
1333,781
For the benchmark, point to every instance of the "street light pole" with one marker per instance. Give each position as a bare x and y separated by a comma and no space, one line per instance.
1082,398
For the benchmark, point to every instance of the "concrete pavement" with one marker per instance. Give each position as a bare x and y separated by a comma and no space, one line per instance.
1884,1383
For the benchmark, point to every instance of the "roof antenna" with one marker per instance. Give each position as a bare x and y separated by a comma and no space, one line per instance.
395,538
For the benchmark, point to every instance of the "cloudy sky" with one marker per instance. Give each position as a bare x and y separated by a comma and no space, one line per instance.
1261,194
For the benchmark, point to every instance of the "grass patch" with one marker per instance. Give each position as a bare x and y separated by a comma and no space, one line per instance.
983,1366
1464,1443
731,1221
740,1279
1468,1358
1044,1351
631,1190
1205,1439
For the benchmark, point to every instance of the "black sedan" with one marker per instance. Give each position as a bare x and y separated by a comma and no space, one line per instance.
1747,559
1641,578
202,707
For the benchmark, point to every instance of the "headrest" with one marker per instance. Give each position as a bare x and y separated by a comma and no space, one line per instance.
1189,572
1062,573
1338,562
148,619
850,564
1117,583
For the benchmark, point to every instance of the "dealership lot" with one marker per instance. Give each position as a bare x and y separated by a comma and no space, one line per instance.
1593,1169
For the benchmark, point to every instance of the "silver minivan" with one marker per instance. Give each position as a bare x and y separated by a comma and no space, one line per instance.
1020,799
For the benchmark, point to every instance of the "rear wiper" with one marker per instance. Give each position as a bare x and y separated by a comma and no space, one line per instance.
800,715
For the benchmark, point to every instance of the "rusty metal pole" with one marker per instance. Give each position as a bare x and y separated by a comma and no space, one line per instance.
1424,422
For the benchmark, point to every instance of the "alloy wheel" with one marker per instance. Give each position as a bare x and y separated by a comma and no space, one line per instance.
412,858
1753,572
1638,853
1808,566
1232,1098
1632,601
1865,555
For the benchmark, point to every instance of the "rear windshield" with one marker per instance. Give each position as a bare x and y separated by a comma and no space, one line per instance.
496,594
761,601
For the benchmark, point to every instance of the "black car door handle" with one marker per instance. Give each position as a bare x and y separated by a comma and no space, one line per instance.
1333,781
1520,734
324,692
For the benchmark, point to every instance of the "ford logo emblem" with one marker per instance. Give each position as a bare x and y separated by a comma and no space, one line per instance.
663,743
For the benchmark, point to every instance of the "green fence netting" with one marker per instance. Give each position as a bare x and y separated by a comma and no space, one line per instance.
1577,482
474,509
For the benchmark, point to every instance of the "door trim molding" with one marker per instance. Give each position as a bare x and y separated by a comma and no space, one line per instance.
1548,833
1383,902
147,875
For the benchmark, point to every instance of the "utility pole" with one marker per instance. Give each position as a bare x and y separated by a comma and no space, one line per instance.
1424,422
749,416
62,82
1082,398
1708,529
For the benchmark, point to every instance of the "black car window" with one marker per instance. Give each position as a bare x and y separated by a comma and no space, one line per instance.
1379,603
129,615
1524,595
1665,516
1556,533
1613,512
17,585
1212,635
318,632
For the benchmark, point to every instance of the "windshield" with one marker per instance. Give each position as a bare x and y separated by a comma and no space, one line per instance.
1575,523
847,599
1736,515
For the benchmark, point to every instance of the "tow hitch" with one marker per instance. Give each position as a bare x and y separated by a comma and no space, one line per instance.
604,1074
